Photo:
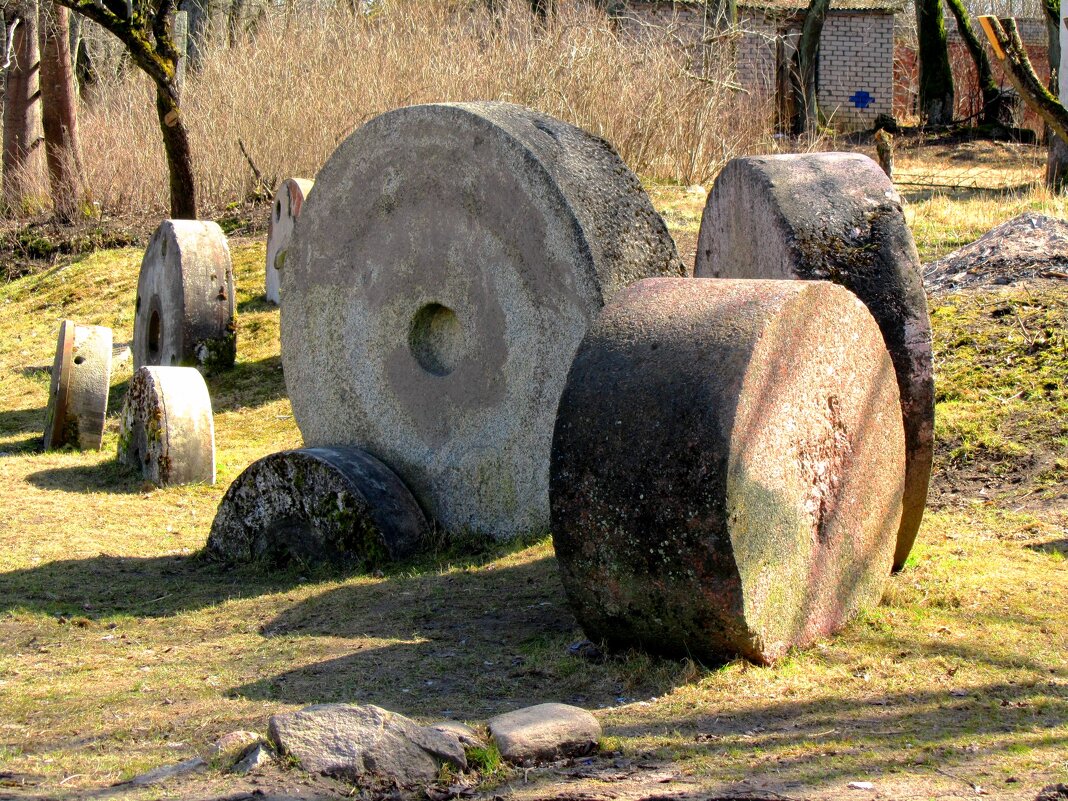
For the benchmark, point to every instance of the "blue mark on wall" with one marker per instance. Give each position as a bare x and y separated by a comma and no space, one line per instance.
861,99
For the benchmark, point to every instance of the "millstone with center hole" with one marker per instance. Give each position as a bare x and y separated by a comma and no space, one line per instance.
835,217
166,430
78,394
288,201
442,274
727,467
318,505
185,298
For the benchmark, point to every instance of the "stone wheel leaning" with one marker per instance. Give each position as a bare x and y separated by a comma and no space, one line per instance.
443,272
166,429
81,380
288,201
336,506
835,217
184,312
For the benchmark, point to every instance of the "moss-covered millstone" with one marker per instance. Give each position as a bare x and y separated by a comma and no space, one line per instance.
288,201
166,429
727,467
185,298
78,394
835,217
336,506
441,275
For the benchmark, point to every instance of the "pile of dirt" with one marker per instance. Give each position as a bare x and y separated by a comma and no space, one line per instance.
1025,248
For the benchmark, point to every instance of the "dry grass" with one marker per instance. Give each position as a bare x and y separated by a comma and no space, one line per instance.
293,91
123,650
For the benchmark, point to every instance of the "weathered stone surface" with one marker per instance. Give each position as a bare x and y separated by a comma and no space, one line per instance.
78,394
162,774
364,743
257,757
545,732
317,505
232,748
468,737
727,467
166,429
288,201
443,271
1026,247
834,217
185,298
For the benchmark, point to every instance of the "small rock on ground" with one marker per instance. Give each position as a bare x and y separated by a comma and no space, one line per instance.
232,747
256,758
545,732
359,743
468,737
168,771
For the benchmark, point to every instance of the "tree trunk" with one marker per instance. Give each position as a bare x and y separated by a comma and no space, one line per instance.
992,96
806,106
1057,161
59,112
22,159
936,75
179,155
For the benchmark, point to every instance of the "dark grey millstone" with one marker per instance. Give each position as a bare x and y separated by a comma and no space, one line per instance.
442,274
727,468
835,217
364,743
184,312
336,506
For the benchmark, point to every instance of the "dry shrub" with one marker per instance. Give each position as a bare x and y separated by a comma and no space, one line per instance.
303,81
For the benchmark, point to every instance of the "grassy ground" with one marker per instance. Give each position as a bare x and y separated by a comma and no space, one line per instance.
121,649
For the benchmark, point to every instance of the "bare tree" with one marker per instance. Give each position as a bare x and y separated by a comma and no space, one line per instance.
936,74
806,108
145,29
59,111
22,158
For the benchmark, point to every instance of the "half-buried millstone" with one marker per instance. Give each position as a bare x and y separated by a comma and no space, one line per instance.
167,430
288,201
835,217
336,506
727,467
442,274
78,394
185,298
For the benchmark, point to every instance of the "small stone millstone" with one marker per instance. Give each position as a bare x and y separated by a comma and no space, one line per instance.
166,429
317,505
544,733
78,394
444,270
835,217
184,314
364,744
288,201
727,467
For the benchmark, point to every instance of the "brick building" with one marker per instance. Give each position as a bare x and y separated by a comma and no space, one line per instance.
855,69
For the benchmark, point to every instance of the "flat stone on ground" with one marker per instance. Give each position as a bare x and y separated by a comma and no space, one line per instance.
364,744
544,733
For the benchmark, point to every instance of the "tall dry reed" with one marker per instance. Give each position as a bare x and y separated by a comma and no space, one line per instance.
303,81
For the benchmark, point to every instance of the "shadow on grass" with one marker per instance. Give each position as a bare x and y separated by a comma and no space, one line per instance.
137,586
247,385
109,476
22,447
19,421
1052,546
920,193
258,303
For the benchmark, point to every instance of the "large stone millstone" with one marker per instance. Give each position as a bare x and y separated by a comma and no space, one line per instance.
727,467
835,217
166,429
442,274
318,505
288,201
185,298
78,394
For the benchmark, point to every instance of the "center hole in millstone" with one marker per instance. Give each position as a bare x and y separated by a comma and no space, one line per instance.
436,338
154,333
